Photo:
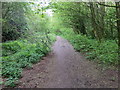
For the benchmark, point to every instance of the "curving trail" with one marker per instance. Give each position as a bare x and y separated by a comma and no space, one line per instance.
66,68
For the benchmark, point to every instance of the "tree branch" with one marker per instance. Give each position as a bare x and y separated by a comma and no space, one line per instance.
108,5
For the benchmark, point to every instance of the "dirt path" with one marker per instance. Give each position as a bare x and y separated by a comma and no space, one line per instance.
65,68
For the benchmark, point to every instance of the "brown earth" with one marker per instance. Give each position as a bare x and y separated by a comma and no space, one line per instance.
66,68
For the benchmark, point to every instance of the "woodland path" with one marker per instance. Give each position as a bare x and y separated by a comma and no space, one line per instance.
66,68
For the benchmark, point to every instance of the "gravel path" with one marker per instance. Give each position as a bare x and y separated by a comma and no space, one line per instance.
66,68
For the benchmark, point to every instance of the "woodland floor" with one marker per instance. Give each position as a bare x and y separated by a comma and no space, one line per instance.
66,68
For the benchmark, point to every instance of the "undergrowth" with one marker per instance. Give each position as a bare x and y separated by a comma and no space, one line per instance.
20,54
104,52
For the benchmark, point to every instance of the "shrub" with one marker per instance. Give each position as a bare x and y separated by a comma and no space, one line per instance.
20,54
105,52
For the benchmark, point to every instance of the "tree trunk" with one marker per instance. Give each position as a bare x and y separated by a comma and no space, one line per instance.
118,26
102,22
93,20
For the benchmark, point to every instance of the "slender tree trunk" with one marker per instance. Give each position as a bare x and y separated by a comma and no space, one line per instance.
97,17
118,26
93,20
111,29
102,22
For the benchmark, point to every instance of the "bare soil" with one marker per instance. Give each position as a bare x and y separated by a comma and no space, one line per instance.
66,68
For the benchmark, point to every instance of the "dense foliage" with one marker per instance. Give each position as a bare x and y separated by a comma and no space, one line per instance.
28,33
88,29
13,20
25,41
104,53
85,19
20,54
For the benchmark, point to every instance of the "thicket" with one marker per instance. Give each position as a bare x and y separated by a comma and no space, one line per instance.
26,39
13,20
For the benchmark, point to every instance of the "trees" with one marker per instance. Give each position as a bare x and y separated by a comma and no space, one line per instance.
22,20
14,22
73,15
117,6
99,22
97,18
92,19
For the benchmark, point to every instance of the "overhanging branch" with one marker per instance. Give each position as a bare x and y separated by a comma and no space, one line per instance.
108,5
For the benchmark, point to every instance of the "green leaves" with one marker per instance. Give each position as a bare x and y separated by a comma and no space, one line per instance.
20,54
13,20
10,82
104,52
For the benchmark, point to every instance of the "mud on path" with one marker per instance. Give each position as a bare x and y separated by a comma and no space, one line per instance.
66,68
